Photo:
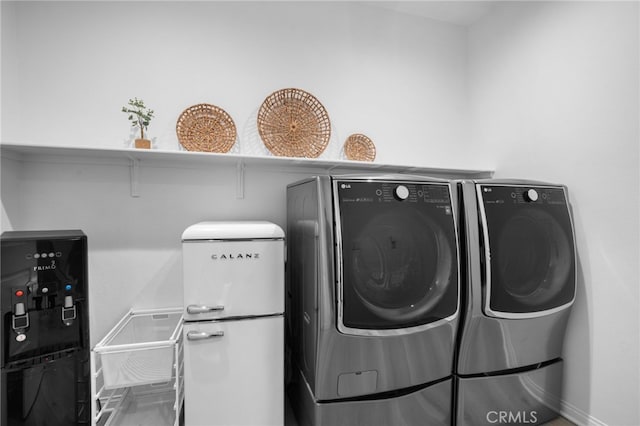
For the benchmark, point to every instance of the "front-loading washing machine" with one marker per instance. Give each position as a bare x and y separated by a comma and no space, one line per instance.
372,299
519,288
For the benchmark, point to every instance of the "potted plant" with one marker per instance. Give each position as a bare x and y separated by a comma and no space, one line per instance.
140,116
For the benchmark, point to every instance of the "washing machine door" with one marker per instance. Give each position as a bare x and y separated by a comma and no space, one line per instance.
397,256
529,250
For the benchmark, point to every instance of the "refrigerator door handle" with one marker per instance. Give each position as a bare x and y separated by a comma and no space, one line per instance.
203,309
202,335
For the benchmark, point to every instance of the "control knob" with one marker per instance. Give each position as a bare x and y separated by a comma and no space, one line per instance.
401,192
531,195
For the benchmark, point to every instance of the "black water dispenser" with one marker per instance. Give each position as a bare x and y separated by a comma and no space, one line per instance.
45,329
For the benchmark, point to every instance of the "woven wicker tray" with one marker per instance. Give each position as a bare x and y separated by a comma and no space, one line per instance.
359,147
206,128
293,123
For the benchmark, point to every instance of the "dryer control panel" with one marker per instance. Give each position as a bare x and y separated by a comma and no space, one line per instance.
392,192
509,195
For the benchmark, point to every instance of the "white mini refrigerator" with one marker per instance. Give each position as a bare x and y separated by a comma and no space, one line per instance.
233,323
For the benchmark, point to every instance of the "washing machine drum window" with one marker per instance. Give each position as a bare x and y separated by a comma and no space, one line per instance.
399,271
533,264
529,255
535,257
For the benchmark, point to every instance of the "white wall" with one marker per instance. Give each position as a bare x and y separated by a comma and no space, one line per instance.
399,79
554,95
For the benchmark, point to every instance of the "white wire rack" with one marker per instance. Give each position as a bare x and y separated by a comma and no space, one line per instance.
129,403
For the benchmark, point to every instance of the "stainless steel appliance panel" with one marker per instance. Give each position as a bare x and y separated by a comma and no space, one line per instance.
328,358
430,405
488,343
531,397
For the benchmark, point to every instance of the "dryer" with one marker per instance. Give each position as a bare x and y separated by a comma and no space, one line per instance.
372,299
519,288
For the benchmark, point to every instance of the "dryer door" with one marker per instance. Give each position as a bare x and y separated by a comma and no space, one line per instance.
397,256
528,248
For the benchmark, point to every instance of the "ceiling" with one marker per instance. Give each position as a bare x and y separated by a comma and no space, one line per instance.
452,11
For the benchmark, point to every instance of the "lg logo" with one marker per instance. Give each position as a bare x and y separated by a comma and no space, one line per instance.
509,417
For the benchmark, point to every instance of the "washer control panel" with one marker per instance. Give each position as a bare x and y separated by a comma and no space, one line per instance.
521,194
383,192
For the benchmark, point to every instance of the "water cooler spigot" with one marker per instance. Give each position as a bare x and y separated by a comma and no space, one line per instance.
20,321
68,311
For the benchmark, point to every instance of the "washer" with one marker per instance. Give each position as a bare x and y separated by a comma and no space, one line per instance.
520,286
372,299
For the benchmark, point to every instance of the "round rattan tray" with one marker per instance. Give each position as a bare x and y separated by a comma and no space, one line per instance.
359,147
206,128
293,123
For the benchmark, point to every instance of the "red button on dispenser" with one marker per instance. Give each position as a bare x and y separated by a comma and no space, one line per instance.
19,293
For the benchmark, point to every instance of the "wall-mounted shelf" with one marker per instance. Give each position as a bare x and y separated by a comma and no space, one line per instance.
136,158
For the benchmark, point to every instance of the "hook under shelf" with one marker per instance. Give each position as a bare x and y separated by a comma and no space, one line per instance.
240,180
134,177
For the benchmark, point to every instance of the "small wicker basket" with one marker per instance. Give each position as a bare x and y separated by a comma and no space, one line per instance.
359,147
293,123
206,128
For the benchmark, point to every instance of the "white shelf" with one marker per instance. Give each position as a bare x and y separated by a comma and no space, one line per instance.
170,158
136,158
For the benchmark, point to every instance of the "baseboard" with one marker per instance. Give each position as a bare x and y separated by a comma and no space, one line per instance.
577,416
